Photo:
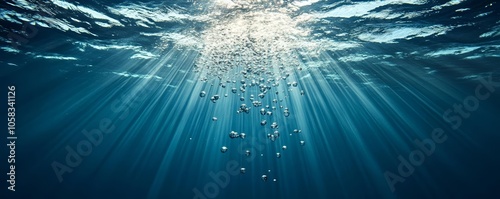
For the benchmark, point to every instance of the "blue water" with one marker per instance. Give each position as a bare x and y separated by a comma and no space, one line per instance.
108,98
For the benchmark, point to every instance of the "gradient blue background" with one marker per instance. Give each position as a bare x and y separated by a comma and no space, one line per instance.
354,131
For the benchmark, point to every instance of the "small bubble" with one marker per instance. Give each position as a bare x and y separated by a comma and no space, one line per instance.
274,125
223,149
233,134
272,138
203,94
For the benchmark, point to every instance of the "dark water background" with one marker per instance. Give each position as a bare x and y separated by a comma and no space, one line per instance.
356,117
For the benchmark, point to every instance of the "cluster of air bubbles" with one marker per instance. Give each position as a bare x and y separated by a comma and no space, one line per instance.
243,109
234,134
253,46
214,98
249,57
257,103
294,84
223,149
271,137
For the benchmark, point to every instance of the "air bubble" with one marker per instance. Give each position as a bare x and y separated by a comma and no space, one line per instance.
233,134
223,149
274,125
263,122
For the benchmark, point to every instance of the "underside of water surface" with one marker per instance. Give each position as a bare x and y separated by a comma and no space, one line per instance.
251,99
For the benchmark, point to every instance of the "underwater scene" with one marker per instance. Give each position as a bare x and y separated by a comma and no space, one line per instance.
244,99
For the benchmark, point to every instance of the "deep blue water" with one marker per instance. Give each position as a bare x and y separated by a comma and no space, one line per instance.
373,79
